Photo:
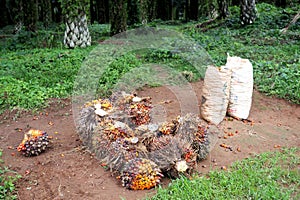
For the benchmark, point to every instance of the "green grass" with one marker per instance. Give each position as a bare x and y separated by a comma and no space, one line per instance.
7,182
28,78
31,75
271,175
275,56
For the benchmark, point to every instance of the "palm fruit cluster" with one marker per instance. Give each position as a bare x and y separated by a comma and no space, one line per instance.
168,128
140,111
34,143
106,135
136,110
191,129
120,152
120,134
173,155
140,174
91,114
114,130
201,142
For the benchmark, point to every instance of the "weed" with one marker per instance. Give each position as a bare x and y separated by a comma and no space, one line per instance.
7,181
269,175
29,76
275,56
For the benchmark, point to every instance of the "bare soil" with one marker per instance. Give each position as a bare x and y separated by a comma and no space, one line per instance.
67,171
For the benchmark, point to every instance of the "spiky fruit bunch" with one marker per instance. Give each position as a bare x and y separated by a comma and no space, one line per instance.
87,122
91,115
167,151
114,132
136,109
201,142
159,142
121,100
140,111
34,143
105,104
111,130
192,130
140,174
107,138
121,151
169,128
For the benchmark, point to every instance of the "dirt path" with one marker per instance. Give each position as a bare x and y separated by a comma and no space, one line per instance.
67,171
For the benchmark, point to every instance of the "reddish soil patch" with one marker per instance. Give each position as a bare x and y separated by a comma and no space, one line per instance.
67,171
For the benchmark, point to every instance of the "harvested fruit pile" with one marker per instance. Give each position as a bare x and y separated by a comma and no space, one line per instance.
34,143
119,132
140,174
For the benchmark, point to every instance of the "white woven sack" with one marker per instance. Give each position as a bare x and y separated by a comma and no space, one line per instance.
241,88
215,94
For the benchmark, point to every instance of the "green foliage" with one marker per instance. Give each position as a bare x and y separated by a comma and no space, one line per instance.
26,39
45,38
72,8
114,72
99,32
30,77
268,175
7,181
173,60
275,56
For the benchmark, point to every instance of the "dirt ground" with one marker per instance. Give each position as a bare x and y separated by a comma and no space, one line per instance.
67,171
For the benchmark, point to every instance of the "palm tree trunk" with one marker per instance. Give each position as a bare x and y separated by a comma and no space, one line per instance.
46,15
118,16
248,12
30,15
223,9
77,32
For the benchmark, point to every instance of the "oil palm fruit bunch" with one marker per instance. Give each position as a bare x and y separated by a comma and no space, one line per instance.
158,142
192,129
111,130
201,142
140,174
168,128
105,133
136,109
173,155
140,110
34,143
91,115
117,130
121,151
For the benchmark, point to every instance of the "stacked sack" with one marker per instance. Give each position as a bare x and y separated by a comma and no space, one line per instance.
227,89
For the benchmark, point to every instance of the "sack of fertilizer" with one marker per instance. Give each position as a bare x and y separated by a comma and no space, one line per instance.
241,87
215,94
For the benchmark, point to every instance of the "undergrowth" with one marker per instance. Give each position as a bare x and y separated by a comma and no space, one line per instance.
30,75
271,175
7,182
275,56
